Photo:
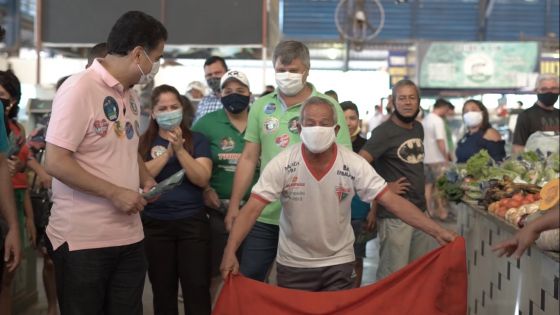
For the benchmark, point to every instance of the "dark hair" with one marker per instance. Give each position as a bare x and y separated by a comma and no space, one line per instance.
401,83
97,51
2,33
188,111
485,117
213,59
147,139
348,105
132,29
441,102
10,83
60,82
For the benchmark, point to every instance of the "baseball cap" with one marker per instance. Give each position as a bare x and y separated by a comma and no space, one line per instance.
237,75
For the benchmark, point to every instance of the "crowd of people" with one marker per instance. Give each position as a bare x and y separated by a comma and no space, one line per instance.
290,177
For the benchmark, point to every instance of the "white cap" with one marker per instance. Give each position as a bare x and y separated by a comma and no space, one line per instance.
237,75
196,85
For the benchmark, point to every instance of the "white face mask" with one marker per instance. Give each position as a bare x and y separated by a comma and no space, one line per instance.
289,83
472,119
147,78
317,139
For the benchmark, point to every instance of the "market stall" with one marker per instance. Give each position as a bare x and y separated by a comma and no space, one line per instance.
492,202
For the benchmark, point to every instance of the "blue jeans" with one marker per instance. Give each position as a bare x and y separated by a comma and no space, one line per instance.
100,281
259,251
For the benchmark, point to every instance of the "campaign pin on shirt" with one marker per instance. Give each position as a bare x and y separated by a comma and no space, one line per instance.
282,141
271,124
133,105
292,125
111,108
269,108
119,128
100,127
129,130
137,128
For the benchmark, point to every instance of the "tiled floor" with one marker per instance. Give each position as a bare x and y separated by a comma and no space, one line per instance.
370,267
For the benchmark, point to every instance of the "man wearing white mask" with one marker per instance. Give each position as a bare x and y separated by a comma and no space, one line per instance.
95,235
316,182
272,126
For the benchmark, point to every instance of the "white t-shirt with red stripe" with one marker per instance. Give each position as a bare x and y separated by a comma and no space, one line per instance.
315,228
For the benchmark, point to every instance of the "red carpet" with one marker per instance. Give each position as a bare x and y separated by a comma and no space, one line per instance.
434,284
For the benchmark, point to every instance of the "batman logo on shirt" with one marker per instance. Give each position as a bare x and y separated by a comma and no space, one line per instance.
411,151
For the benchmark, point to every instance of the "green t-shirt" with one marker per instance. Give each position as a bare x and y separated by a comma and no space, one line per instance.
3,136
274,127
226,145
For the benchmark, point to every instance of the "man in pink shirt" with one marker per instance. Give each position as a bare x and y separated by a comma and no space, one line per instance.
95,233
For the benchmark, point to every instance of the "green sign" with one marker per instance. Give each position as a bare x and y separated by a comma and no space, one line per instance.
478,65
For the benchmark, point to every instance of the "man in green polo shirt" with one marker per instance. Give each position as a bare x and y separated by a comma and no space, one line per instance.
271,128
225,129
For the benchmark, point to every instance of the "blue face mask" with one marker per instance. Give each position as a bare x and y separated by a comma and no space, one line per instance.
169,120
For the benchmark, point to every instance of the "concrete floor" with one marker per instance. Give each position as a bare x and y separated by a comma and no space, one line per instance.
370,267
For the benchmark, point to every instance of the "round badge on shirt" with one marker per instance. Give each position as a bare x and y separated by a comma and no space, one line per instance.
293,124
129,130
282,141
119,129
271,124
100,127
269,108
137,128
133,105
111,108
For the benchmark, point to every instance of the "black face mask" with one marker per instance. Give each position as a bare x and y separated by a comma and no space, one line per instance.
214,84
406,120
235,103
547,99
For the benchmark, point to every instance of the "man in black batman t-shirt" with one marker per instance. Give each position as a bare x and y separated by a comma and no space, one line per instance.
396,151
540,117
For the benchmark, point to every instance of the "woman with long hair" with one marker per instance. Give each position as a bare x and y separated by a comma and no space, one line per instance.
176,226
480,134
10,95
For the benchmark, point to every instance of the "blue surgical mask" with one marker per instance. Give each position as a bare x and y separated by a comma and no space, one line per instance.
169,120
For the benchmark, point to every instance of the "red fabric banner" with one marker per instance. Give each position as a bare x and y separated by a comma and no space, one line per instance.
434,284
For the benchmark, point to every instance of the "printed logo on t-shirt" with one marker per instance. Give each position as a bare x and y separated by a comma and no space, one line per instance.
227,144
133,105
342,192
550,124
282,141
129,130
100,127
294,190
411,151
271,124
270,108
292,125
157,151
291,168
111,108
345,172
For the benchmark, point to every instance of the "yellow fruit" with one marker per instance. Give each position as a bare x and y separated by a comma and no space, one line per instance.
550,194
